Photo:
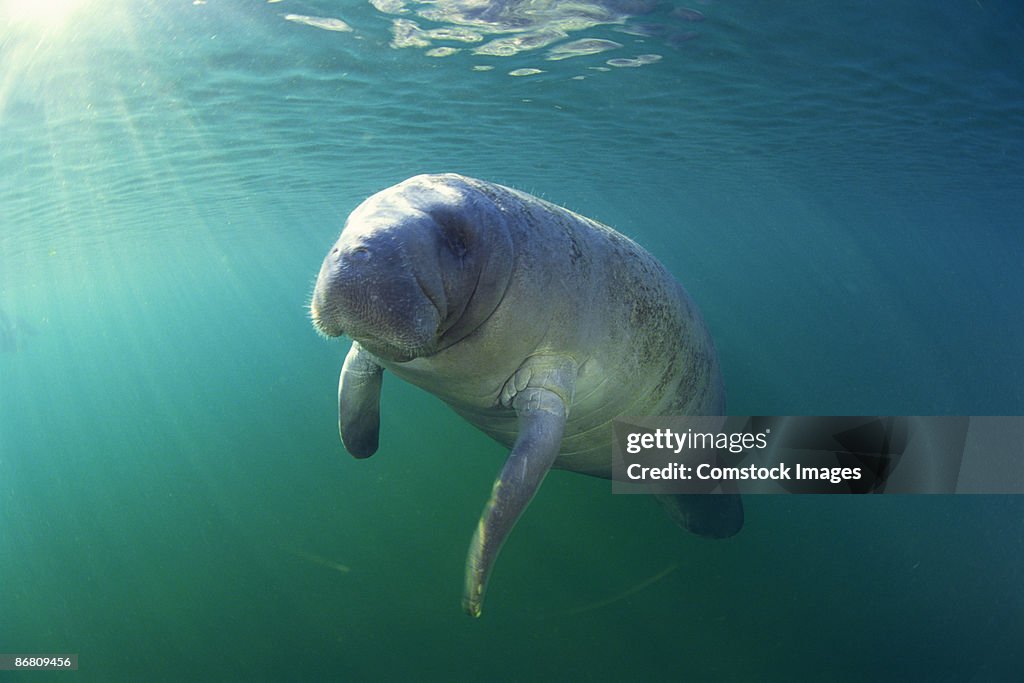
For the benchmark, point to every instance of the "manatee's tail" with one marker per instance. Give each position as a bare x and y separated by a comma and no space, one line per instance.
711,515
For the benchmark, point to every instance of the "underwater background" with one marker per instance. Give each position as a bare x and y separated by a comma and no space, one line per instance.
840,187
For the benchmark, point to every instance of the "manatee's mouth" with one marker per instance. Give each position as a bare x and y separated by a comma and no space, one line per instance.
327,322
327,326
394,352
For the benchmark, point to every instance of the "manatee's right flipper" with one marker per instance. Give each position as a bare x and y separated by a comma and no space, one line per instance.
711,515
541,415
359,402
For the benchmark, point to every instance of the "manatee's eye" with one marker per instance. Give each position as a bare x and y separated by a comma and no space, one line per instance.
455,239
360,254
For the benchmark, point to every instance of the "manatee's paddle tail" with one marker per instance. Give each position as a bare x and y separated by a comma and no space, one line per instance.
541,415
711,515
359,402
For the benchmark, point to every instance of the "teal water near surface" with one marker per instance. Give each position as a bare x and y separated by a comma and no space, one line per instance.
840,188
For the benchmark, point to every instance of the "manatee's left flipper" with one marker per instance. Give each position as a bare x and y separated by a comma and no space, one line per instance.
359,402
541,415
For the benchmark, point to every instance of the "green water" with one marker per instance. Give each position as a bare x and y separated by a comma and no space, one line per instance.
840,191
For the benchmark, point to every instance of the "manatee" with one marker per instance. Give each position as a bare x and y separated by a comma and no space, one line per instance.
537,325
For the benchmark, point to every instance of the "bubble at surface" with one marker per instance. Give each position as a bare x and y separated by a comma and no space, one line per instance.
580,48
483,67
456,33
525,72
407,33
514,44
639,60
441,51
326,23
643,30
389,6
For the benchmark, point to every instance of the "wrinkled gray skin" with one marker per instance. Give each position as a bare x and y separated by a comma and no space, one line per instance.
535,324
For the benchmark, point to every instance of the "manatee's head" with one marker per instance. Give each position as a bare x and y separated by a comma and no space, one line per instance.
417,267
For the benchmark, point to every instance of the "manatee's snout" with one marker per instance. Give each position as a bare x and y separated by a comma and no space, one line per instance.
330,287
368,288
